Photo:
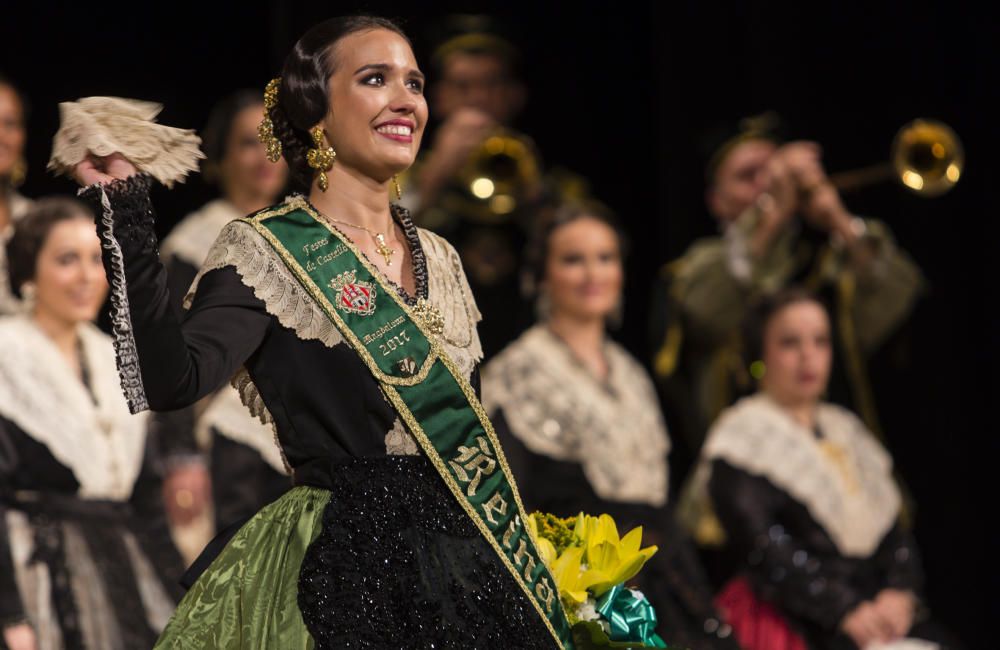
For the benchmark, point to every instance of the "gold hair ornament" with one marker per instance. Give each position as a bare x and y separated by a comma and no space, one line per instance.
265,132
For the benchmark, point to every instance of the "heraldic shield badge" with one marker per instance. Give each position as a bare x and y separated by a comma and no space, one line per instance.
352,296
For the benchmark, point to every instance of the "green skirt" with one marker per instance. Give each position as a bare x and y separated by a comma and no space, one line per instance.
247,598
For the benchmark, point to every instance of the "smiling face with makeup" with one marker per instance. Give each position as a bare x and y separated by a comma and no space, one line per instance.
377,109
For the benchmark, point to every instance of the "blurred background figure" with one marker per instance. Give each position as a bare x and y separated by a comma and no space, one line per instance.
85,554
806,500
13,169
782,221
244,470
579,419
482,184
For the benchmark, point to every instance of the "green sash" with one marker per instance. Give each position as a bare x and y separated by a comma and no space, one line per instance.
437,403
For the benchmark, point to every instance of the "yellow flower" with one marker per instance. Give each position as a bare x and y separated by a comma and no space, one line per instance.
572,578
613,559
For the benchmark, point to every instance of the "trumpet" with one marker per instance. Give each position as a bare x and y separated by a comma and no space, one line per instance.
926,158
497,178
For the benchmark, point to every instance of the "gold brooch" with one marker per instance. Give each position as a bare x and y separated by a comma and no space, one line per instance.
429,316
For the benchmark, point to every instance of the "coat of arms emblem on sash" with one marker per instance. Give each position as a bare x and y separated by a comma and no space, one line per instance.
354,297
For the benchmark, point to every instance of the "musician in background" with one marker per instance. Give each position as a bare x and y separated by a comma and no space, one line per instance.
782,222
477,94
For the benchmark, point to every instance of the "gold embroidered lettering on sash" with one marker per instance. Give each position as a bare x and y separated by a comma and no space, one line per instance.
521,553
515,523
382,331
326,258
308,249
545,592
529,566
495,504
472,463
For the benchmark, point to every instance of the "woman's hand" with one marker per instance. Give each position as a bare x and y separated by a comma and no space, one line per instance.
103,170
898,608
20,637
865,625
187,491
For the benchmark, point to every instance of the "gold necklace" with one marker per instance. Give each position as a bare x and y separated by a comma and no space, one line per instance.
381,247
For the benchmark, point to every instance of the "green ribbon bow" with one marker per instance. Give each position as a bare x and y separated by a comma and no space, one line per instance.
631,616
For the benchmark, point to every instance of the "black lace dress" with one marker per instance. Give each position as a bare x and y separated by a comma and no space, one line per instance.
392,560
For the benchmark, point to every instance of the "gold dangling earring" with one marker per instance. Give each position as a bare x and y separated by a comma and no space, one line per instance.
395,183
320,158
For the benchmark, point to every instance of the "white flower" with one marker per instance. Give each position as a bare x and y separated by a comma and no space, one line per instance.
587,611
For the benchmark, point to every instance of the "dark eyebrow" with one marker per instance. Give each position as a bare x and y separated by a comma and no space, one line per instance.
385,67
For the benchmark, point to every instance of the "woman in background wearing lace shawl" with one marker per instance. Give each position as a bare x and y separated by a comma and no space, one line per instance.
85,559
579,418
807,503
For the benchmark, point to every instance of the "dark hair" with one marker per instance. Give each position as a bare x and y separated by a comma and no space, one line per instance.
477,44
538,248
721,141
32,231
215,135
303,99
760,313
22,100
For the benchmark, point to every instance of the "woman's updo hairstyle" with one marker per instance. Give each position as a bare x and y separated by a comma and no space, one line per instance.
303,99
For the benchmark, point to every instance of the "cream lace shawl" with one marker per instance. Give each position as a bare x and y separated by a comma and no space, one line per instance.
557,409
102,443
856,502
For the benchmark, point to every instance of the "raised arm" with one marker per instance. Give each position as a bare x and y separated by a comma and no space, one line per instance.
163,364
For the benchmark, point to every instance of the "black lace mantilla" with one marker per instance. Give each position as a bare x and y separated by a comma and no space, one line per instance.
399,564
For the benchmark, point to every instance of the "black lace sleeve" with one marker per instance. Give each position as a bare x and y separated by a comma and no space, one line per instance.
164,365
782,568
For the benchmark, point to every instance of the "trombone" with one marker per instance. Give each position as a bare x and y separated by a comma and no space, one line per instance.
926,158
497,178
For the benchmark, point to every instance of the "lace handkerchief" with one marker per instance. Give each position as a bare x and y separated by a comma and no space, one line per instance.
106,125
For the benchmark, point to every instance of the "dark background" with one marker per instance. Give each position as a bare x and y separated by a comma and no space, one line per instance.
621,92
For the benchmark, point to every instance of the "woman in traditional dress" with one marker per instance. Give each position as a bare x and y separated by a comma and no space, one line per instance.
807,503
355,334
580,421
83,561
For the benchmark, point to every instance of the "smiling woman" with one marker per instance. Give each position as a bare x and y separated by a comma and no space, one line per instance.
405,528
80,563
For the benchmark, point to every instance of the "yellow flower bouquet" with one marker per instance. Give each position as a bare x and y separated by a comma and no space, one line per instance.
591,564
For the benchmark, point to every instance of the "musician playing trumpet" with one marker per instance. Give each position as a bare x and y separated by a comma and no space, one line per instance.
782,222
